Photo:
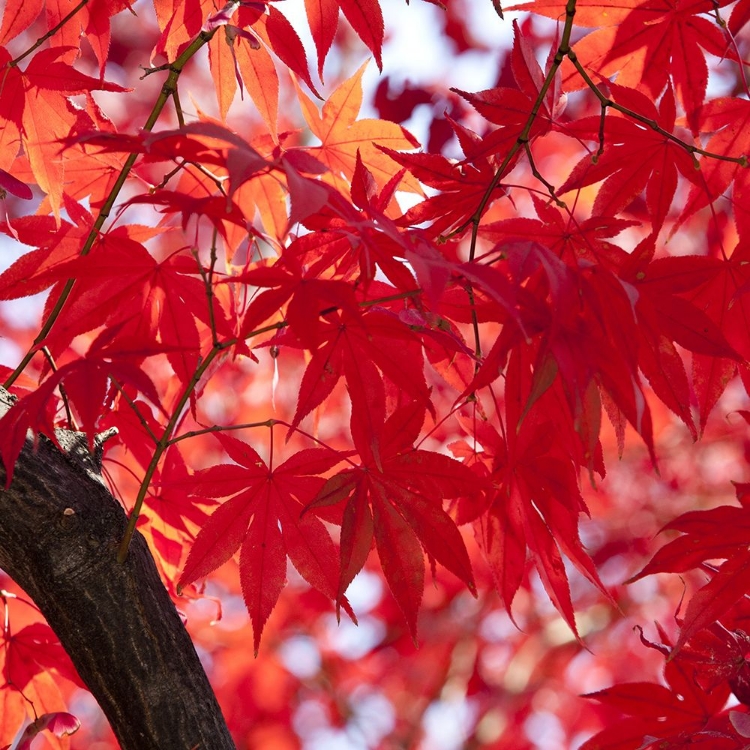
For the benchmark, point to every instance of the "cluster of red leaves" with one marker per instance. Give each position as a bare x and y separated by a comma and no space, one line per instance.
30,662
496,319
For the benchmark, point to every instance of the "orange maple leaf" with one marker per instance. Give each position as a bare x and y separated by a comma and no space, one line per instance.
342,136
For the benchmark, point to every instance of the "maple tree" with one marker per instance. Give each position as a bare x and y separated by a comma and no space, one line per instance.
414,414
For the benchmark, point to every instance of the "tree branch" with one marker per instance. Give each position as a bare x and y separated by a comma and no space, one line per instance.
58,541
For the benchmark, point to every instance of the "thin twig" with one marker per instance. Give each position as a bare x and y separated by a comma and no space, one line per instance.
208,283
42,39
607,102
223,428
538,175
178,108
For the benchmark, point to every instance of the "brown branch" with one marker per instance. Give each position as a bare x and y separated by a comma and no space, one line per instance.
58,541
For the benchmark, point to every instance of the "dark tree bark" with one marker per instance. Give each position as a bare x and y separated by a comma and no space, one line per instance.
59,532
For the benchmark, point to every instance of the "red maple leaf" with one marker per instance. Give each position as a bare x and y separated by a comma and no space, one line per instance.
534,504
635,157
716,534
32,650
344,137
683,713
462,186
263,518
364,349
587,335
57,245
285,282
701,304
395,499
169,506
511,108
93,20
728,119
648,44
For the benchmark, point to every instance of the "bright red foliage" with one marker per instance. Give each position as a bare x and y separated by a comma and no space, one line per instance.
423,356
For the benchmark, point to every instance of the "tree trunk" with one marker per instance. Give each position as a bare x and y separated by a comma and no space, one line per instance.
59,531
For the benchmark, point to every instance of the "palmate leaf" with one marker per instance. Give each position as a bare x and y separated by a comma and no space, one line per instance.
343,137
32,650
659,717
684,712
92,20
120,284
588,333
699,303
511,108
89,173
364,349
169,506
635,157
568,237
461,186
667,318
263,520
535,505
722,533
397,502
464,185
56,245
716,534
713,601
285,281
